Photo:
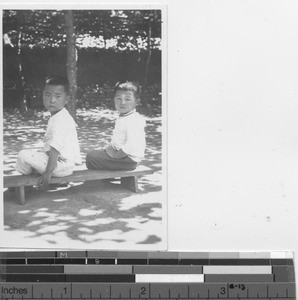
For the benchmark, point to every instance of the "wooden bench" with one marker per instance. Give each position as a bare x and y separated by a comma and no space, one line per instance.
129,179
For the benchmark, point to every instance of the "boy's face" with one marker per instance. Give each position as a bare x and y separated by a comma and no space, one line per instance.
125,101
54,98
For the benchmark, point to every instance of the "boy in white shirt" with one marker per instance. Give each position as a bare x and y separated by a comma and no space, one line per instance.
127,146
61,147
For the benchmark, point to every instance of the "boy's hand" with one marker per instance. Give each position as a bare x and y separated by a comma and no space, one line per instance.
45,179
114,153
111,151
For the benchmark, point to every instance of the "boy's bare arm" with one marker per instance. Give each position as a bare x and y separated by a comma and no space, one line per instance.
45,178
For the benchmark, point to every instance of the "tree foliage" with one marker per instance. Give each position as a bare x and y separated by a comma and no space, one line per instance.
119,30
42,28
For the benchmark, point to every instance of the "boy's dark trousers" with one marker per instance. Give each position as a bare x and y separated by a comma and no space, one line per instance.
99,160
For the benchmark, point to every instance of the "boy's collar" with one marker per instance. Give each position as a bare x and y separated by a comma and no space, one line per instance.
127,114
57,112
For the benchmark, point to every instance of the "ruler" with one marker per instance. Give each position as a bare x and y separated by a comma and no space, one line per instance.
146,275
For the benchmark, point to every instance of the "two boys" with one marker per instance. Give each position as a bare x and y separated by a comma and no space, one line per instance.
61,147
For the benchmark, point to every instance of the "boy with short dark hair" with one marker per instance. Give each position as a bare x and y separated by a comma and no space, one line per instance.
61,147
127,146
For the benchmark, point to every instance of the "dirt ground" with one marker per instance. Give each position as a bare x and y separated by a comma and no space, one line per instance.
90,215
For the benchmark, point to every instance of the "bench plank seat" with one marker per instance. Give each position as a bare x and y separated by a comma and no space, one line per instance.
129,179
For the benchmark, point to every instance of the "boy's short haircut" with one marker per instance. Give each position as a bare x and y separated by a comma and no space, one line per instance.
132,86
58,80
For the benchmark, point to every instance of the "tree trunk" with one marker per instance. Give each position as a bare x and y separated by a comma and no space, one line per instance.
21,83
103,24
71,62
149,52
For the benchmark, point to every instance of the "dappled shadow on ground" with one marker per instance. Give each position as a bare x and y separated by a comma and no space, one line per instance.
89,213
92,212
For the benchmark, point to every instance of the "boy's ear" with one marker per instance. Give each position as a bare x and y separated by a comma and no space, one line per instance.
67,98
138,101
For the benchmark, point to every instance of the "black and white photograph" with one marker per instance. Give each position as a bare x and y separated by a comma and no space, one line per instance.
84,127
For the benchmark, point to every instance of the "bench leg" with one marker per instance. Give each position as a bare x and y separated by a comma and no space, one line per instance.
130,183
20,193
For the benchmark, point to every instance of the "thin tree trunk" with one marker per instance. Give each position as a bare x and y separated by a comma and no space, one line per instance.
71,62
103,24
149,53
21,85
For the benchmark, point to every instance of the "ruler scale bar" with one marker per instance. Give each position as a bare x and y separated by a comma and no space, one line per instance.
237,269
95,269
168,269
239,278
146,275
161,292
281,273
169,278
123,261
32,269
101,261
25,277
112,261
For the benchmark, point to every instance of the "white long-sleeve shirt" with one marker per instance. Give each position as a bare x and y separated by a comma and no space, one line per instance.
129,135
61,134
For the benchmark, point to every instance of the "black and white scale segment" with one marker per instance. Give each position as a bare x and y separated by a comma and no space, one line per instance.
146,275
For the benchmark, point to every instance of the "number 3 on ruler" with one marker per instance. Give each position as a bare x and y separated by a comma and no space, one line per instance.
222,290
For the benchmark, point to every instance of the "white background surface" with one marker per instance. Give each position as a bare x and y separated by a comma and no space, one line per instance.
232,124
